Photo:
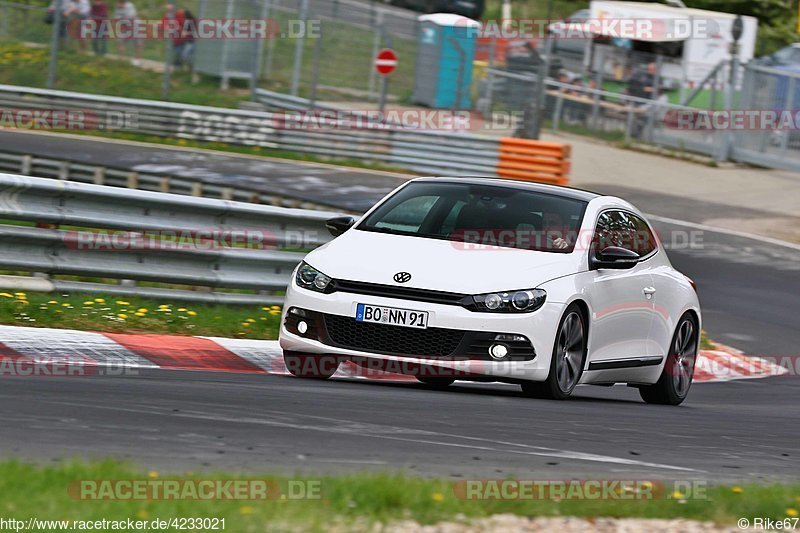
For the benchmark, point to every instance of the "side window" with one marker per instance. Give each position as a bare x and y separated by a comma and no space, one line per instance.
645,241
625,230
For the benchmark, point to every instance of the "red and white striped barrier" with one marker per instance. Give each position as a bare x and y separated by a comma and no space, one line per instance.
46,346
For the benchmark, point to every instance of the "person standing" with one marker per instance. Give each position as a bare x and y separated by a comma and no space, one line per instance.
642,85
126,10
99,13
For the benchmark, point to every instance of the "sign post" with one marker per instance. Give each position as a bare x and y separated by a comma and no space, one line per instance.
385,63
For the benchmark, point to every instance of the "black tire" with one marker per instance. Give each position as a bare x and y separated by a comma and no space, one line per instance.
310,366
569,355
436,382
675,381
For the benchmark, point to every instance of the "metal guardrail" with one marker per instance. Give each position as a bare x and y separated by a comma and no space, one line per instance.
143,244
422,151
63,169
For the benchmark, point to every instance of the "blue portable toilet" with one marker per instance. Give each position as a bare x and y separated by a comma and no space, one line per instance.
445,51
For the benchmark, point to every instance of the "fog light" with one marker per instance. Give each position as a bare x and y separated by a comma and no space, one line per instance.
498,351
302,327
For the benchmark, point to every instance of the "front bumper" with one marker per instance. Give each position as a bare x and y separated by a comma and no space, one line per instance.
456,339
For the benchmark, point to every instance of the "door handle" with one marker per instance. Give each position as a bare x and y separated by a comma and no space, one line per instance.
649,292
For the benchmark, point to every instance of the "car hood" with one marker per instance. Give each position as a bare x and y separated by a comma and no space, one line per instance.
437,264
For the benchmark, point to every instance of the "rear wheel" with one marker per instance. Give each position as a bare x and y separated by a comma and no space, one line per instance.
566,365
676,378
310,366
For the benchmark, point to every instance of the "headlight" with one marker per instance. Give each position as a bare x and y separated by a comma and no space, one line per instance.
310,278
522,301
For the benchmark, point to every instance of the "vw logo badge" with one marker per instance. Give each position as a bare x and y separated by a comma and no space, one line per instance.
402,277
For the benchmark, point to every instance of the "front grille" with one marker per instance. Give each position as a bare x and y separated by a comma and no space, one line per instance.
345,332
404,293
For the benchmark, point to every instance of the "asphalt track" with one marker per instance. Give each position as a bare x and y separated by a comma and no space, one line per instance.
728,431
349,188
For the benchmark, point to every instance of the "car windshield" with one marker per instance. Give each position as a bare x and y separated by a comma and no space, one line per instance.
492,215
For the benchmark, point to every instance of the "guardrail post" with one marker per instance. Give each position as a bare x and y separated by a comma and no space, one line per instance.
227,193
133,180
63,171
629,124
298,51
163,184
99,176
557,112
25,166
197,189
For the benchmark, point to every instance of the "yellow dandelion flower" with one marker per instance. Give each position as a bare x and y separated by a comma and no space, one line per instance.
191,313
6,295
140,314
437,497
152,474
122,315
19,294
678,495
142,514
245,324
251,320
245,509
182,309
274,312
52,302
163,306
100,300
736,489
88,302
265,308
278,307
263,318
123,302
66,305
791,512
21,301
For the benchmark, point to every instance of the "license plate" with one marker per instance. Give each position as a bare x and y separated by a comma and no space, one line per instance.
391,316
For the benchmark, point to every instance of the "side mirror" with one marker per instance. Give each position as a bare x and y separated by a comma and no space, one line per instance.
614,257
337,226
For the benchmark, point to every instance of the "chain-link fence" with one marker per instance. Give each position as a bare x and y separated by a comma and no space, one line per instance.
335,57
23,22
775,142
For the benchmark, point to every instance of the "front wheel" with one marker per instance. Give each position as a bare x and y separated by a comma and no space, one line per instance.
310,366
566,365
676,378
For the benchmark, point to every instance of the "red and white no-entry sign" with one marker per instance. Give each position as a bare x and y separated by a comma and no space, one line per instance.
385,61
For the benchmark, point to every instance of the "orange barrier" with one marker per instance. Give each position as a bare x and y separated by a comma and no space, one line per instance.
528,160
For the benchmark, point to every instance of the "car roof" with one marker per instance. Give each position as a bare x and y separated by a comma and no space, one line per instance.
557,190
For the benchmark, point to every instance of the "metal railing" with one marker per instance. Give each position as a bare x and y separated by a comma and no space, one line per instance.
30,164
221,251
426,152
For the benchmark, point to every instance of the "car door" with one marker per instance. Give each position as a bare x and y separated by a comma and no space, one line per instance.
622,300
